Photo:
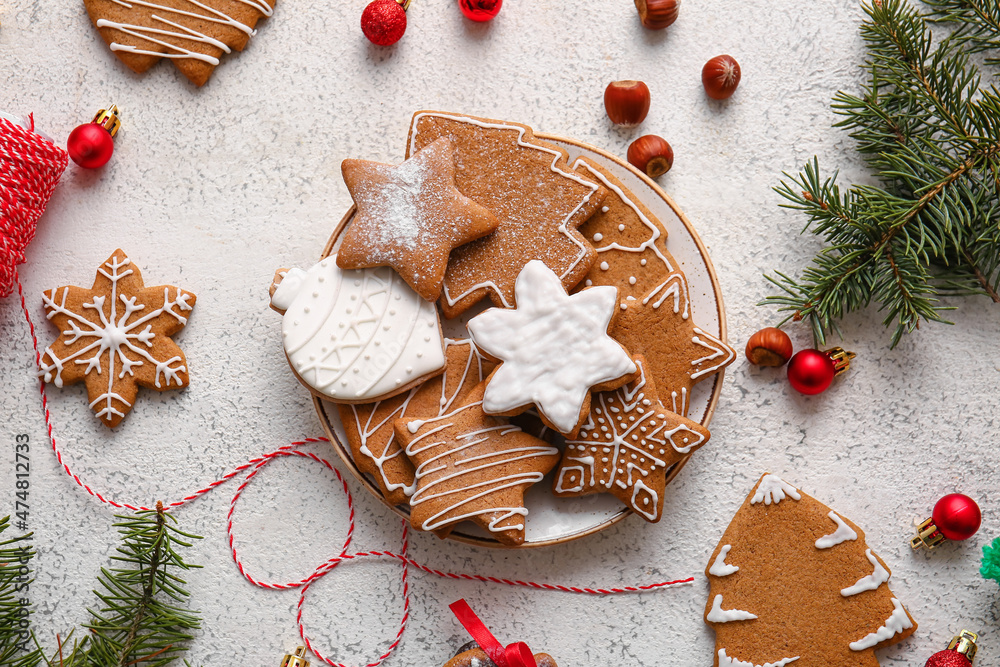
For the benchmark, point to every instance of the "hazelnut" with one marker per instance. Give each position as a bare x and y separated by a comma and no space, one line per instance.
769,347
657,14
720,76
627,102
651,154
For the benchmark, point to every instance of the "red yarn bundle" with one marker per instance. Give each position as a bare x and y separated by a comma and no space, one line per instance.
30,168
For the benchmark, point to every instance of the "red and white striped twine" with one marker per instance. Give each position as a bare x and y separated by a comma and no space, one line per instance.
30,168
254,466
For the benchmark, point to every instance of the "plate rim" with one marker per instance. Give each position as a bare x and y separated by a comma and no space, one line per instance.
343,451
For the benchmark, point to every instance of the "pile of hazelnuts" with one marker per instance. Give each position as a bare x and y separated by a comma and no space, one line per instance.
627,102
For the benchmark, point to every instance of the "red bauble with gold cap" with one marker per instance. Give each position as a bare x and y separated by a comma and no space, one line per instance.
960,652
384,21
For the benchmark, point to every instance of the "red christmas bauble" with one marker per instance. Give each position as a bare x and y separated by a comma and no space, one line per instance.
383,22
90,146
957,516
948,659
811,371
480,10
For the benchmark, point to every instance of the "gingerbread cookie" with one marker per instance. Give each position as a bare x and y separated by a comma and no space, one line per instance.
115,337
626,446
554,349
794,582
410,217
369,426
473,466
356,336
471,655
529,186
652,292
192,33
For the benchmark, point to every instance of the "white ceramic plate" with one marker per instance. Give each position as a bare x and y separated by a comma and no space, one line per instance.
553,520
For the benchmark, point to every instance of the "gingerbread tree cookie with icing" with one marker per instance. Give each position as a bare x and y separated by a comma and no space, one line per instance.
410,217
369,426
626,446
473,466
531,189
193,34
356,336
553,347
793,582
115,337
657,320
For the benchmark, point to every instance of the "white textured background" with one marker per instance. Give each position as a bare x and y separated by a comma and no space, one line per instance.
213,189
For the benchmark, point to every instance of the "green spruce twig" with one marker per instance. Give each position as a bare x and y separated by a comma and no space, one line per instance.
15,572
991,561
931,132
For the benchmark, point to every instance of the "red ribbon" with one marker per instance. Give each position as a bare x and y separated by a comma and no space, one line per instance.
516,655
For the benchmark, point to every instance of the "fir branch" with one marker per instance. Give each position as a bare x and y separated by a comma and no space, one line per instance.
142,620
932,134
15,558
978,21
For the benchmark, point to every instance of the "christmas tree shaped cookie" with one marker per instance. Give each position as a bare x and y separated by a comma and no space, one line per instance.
655,311
529,186
794,582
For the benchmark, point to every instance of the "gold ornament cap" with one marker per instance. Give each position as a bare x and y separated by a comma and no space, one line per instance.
297,660
109,120
841,360
964,643
928,537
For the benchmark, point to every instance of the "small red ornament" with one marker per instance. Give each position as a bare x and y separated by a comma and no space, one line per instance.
812,371
955,517
960,652
92,145
480,10
384,21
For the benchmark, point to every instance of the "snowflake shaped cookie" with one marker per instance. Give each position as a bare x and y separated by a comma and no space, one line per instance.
115,336
554,347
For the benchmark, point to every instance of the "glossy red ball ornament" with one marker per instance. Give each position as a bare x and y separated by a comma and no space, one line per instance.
90,146
811,371
957,516
480,10
948,659
384,21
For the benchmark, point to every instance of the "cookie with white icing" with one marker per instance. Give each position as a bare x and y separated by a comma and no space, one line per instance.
554,349
193,34
794,583
369,429
657,320
471,466
530,187
476,657
356,336
626,446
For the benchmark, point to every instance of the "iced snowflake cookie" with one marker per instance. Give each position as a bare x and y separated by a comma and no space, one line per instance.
553,347
369,429
656,320
356,336
472,466
194,34
626,446
794,582
528,185
410,217
115,337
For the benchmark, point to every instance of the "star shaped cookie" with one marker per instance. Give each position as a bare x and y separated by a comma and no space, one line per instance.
473,466
410,217
626,446
554,349
115,337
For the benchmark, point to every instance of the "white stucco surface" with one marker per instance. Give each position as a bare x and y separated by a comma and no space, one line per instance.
213,189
